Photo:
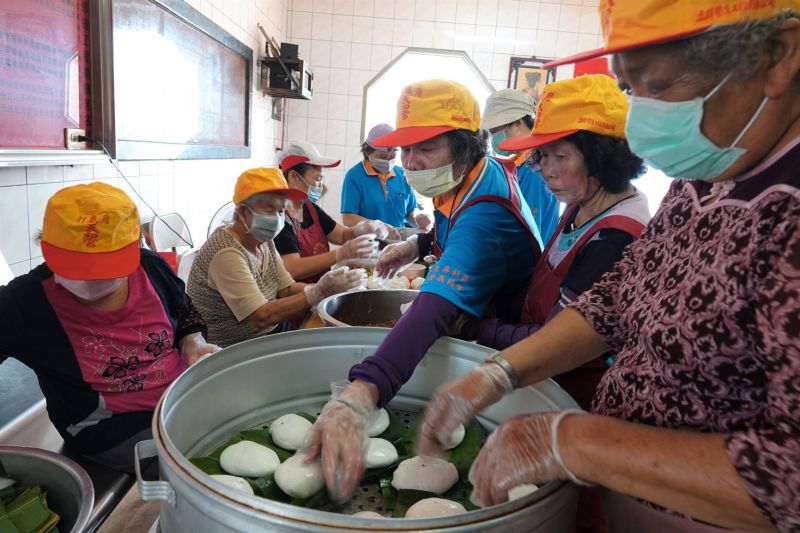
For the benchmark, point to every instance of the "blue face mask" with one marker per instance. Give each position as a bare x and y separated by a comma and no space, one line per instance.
497,138
265,227
667,136
314,194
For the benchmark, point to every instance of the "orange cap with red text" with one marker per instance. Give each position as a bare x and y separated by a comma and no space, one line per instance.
429,108
91,232
630,24
592,103
264,179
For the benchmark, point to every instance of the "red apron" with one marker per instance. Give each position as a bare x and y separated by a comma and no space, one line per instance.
545,290
311,240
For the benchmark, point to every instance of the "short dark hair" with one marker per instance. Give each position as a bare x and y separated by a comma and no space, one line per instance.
300,168
609,160
528,120
468,147
367,150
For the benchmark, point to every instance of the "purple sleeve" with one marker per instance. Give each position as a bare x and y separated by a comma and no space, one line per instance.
398,355
495,334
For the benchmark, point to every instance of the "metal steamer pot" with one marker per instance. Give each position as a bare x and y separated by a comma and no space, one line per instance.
264,378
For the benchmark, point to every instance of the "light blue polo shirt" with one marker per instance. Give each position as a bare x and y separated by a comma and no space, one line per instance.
363,194
487,252
543,203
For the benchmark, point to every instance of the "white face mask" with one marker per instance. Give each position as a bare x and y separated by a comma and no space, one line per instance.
381,165
92,289
433,182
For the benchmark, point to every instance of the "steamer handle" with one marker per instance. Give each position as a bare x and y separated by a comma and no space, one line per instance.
151,491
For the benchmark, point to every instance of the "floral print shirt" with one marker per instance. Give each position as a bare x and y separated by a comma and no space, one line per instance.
704,313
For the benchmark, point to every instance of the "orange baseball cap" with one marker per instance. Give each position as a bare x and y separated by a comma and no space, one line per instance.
591,103
91,232
429,108
264,179
630,24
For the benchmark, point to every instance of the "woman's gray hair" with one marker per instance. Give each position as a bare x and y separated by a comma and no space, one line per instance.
733,48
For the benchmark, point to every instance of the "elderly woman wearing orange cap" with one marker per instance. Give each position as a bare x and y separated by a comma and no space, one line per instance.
238,280
697,422
481,222
105,325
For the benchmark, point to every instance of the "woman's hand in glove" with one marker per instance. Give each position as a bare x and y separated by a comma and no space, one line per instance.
358,248
523,449
457,402
339,280
376,227
396,256
340,437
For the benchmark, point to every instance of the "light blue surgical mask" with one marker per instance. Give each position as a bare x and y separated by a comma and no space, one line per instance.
265,227
497,138
667,136
314,193
433,182
380,165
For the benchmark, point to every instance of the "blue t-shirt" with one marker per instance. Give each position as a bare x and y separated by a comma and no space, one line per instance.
363,194
487,252
543,203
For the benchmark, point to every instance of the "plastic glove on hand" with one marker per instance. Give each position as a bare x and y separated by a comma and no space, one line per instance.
359,248
394,234
423,221
457,402
396,256
338,280
523,449
340,438
371,226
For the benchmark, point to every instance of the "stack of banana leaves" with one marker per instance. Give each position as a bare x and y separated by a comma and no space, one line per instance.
396,501
24,510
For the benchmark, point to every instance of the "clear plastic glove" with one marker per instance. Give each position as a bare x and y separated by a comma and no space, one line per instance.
340,438
423,221
396,257
371,226
457,402
359,248
523,449
338,280
394,234
194,347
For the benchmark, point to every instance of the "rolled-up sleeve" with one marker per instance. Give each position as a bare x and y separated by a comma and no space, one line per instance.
767,457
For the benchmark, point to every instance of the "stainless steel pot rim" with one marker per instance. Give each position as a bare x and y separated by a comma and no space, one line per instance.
256,505
74,469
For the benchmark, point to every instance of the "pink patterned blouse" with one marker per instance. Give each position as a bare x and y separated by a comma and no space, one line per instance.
704,313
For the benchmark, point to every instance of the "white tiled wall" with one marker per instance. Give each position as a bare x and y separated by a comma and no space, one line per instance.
195,189
348,41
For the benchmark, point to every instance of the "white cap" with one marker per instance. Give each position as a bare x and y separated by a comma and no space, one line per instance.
506,106
303,152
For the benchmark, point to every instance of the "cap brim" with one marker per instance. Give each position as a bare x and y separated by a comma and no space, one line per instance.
409,136
524,142
295,195
90,266
591,54
325,162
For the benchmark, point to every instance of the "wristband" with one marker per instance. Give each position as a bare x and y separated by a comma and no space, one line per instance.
554,443
506,366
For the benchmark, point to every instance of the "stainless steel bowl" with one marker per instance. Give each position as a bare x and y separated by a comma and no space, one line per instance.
70,492
364,308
